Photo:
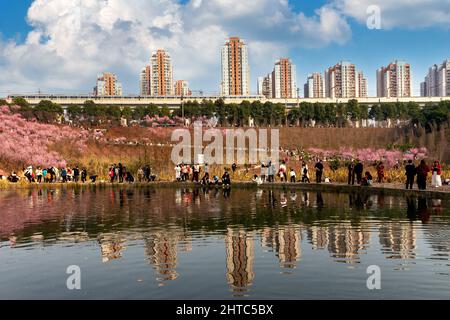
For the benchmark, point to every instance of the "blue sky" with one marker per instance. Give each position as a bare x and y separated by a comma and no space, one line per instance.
400,38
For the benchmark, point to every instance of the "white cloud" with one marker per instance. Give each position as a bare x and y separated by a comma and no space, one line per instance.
72,41
411,14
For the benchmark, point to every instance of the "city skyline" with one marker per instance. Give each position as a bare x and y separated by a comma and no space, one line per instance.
392,81
313,35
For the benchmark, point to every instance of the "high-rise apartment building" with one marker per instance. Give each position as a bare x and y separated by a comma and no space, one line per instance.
182,88
235,68
344,81
314,86
394,81
284,77
157,78
362,85
146,81
281,83
108,85
437,81
266,86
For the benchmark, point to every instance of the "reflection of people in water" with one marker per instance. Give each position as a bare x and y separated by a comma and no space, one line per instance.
411,210
283,200
306,198
357,200
293,196
437,206
422,206
226,192
319,201
272,199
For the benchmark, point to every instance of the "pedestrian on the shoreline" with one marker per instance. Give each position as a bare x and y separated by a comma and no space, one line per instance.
76,174
293,176
64,175
351,173
410,172
359,168
226,179
83,175
39,175
206,170
120,173
270,171
44,175
178,173
196,173
282,172
367,180
422,175
140,174
380,172
234,167
112,173
319,171
263,172
305,173
436,180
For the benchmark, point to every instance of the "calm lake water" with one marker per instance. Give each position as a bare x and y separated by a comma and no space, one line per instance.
243,244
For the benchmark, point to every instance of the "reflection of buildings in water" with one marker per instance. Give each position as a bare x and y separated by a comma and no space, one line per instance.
12,241
398,240
240,255
111,246
285,241
318,237
347,242
161,250
74,237
185,242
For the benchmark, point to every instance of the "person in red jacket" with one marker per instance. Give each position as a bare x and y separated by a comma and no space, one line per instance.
422,171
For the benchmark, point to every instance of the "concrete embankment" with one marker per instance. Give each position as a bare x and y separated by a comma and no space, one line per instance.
385,189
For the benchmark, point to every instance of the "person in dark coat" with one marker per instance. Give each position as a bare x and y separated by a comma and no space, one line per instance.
319,171
422,171
410,172
359,168
351,173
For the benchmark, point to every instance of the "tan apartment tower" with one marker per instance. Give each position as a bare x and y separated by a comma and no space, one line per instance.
235,68
182,88
157,78
284,77
314,87
344,81
108,85
394,81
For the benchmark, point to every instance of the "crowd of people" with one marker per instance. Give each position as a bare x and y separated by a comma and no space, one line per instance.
356,174
52,175
192,172
269,172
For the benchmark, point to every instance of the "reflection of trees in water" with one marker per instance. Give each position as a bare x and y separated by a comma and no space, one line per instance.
239,256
